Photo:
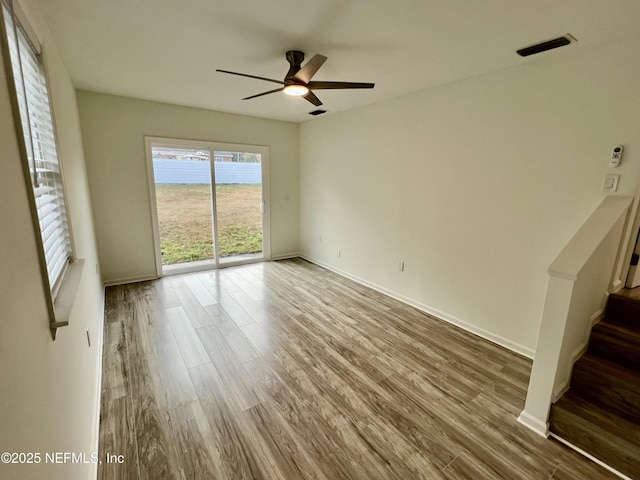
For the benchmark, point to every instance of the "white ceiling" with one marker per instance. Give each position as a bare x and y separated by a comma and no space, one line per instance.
168,50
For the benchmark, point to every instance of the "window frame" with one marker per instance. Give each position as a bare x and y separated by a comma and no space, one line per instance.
61,294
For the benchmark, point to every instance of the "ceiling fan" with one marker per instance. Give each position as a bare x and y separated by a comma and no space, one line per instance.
298,81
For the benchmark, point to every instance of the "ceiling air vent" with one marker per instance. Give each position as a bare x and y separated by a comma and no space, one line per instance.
548,45
317,112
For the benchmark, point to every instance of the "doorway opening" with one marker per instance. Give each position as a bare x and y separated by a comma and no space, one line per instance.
209,204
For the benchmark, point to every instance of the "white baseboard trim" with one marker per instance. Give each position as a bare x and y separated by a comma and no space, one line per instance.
123,281
564,385
492,337
145,278
535,424
597,315
589,456
560,390
97,407
286,256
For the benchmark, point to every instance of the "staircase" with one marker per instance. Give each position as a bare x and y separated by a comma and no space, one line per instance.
600,413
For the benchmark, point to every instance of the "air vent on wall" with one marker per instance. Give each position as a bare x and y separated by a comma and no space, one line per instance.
548,45
317,112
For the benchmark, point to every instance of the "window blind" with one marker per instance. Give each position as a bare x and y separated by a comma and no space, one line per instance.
37,126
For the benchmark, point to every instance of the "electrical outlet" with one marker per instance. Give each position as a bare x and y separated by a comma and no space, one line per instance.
401,266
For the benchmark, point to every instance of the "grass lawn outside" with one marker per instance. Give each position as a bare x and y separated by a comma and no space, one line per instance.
185,221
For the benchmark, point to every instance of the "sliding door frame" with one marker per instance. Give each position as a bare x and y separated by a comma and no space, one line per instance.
211,147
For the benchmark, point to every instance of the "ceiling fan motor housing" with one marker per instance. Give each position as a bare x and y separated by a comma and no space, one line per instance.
295,59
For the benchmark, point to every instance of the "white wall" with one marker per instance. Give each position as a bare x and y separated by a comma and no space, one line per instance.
113,129
49,390
476,186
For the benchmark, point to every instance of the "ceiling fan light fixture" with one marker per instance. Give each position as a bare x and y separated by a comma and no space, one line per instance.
296,90
297,81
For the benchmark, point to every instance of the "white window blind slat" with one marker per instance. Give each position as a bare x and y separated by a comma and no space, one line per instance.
52,226
54,243
42,190
58,263
42,200
55,246
49,220
35,113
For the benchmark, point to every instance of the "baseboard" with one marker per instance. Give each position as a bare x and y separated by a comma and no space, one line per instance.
286,256
598,314
533,423
97,406
145,278
123,281
560,390
492,337
589,456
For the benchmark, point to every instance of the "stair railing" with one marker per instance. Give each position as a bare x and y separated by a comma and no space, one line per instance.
580,280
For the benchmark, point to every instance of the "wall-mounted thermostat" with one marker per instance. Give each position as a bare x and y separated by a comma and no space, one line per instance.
616,156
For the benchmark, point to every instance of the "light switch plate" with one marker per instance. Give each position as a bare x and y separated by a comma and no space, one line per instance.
610,183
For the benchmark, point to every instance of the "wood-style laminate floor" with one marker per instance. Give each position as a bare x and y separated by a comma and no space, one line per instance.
284,370
630,292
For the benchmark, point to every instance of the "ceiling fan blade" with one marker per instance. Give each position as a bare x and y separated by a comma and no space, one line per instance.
338,85
252,76
310,97
310,68
264,93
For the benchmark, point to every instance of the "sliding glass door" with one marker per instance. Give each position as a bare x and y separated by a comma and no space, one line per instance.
209,203
184,200
239,205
